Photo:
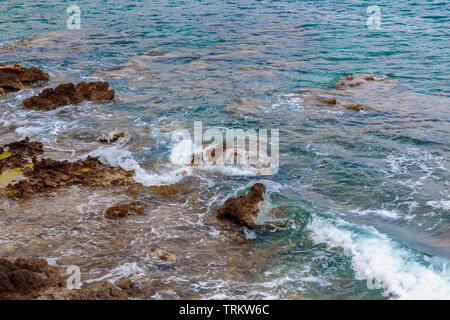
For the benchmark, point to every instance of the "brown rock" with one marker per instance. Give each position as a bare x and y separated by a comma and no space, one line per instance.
35,279
95,91
162,254
123,210
111,138
243,209
47,174
329,101
68,93
14,78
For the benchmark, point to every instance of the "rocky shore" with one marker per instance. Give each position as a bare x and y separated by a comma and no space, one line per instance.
26,279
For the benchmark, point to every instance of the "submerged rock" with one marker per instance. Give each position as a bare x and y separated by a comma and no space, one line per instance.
68,93
16,77
162,254
243,209
99,290
125,209
43,175
329,101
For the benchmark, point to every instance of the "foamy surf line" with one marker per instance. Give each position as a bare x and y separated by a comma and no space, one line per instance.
402,273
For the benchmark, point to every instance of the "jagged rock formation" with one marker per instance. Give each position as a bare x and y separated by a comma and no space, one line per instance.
16,77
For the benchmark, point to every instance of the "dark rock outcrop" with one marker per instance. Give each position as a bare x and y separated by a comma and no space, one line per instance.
243,209
16,77
68,93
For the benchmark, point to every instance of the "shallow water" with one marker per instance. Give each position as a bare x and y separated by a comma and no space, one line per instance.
366,194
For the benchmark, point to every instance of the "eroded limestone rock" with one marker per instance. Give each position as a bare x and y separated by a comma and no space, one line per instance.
243,209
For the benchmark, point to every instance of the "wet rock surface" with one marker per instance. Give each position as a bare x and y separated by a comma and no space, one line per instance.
351,92
27,279
355,107
18,154
16,77
243,209
68,93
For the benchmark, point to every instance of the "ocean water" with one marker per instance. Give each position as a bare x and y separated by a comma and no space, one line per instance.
364,196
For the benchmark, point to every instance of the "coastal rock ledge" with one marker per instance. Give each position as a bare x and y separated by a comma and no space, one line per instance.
16,77
244,209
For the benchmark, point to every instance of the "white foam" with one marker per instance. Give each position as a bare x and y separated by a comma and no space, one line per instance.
401,272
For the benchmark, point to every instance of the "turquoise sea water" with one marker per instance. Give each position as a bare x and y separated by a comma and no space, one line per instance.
367,194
